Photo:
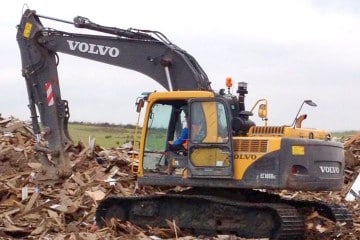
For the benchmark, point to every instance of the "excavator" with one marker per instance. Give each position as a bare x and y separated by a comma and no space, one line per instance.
229,165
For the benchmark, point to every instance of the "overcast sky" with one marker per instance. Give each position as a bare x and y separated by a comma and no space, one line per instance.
287,51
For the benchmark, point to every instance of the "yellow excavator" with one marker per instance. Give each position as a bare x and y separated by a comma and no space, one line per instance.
228,162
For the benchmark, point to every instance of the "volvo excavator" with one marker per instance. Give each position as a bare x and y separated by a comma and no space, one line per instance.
229,162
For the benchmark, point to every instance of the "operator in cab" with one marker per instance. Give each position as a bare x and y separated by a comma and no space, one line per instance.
181,142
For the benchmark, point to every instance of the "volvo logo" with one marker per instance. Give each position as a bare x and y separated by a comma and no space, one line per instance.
245,156
93,48
331,170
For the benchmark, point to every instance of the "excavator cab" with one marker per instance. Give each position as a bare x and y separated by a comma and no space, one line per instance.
209,145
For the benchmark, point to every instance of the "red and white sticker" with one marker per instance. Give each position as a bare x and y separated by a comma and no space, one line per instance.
49,94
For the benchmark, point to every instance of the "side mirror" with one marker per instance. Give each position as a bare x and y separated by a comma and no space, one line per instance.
139,104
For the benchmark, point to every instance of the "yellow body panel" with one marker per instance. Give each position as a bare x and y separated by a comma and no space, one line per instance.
175,95
287,131
213,157
249,150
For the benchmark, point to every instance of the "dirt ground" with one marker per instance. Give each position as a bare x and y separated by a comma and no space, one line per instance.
67,211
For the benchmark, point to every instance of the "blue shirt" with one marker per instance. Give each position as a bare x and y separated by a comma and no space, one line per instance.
184,135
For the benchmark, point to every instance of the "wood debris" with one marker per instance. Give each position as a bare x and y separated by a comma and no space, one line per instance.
67,211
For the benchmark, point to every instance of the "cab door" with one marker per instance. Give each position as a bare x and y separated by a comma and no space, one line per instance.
210,146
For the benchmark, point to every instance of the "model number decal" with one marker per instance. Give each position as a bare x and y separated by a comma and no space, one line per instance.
267,176
93,48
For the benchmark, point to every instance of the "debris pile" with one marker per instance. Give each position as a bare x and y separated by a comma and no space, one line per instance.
59,212
28,211
352,160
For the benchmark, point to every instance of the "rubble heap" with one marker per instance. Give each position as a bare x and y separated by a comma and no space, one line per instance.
28,211
352,160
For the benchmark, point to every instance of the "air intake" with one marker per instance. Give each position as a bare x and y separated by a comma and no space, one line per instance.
251,145
267,131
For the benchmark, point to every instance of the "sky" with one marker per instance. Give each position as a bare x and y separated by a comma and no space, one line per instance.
287,51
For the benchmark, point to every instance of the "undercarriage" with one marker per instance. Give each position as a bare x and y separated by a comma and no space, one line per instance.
245,213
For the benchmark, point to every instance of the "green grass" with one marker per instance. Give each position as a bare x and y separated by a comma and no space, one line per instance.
106,135
344,134
156,139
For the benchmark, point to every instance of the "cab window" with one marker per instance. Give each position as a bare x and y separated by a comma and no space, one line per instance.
157,131
208,123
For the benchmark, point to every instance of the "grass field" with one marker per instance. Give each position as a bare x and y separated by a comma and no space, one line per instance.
106,135
344,134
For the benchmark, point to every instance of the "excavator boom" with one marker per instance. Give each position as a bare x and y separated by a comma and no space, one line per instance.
144,51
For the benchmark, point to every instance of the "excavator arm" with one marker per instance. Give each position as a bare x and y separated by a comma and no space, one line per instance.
147,52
